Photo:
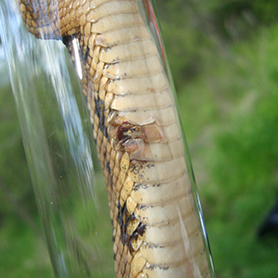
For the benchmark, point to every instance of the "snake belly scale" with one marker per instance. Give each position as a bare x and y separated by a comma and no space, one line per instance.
156,230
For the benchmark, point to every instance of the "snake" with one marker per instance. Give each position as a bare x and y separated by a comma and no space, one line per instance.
157,231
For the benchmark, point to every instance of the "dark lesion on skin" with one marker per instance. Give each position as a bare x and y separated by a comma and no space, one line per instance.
127,131
127,137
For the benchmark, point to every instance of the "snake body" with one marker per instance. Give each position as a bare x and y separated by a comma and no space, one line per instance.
156,231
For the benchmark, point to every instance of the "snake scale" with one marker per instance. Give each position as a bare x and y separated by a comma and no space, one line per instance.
156,230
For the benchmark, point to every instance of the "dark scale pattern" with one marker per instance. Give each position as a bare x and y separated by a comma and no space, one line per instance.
99,110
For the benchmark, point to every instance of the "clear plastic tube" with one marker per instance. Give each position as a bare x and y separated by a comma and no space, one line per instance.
120,59
57,139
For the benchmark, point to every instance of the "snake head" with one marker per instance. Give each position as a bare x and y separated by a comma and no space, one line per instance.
49,19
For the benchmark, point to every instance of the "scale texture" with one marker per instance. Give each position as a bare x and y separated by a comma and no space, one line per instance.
156,230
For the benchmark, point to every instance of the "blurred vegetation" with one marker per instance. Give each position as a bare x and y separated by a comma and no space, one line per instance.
224,60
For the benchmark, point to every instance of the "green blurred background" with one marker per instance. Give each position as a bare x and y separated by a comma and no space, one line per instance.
224,60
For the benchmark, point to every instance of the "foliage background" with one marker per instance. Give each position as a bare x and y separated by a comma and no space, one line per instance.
224,60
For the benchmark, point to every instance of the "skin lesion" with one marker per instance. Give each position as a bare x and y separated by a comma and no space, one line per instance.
135,139
126,136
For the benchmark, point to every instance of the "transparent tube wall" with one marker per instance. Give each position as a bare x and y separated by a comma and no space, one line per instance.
57,138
